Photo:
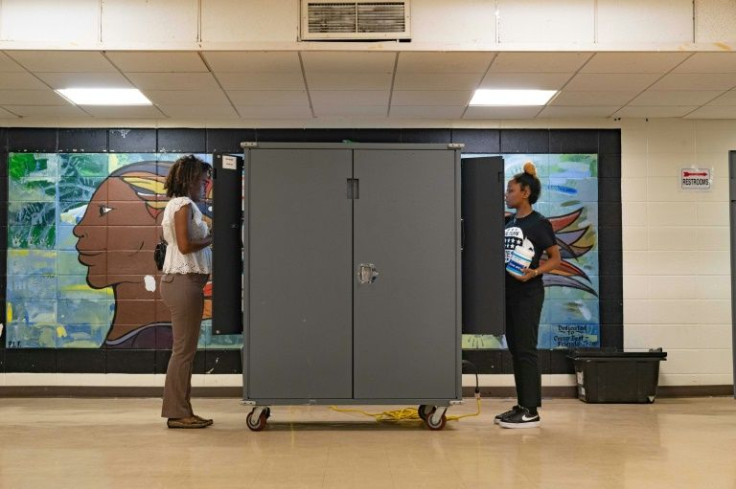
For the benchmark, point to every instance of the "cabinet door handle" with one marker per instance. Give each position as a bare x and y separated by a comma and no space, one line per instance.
367,273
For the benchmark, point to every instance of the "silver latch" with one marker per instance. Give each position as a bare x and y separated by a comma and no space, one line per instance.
367,273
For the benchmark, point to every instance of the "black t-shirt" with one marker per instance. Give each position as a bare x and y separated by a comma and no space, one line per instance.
533,230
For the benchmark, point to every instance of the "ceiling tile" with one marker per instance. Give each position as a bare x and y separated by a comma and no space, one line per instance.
31,97
253,62
443,62
714,112
84,80
21,81
539,62
728,98
199,111
348,62
173,81
426,112
436,81
124,112
431,97
372,111
157,62
560,112
633,62
722,81
264,112
281,98
501,112
7,64
4,114
187,97
654,111
344,98
62,61
675,97
261,81
614,82
592,98
535,81
709,63
349,81
47,110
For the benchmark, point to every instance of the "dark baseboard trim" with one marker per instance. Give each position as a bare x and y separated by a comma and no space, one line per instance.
111,392
226,392
695,391
563,392
510,392
572,391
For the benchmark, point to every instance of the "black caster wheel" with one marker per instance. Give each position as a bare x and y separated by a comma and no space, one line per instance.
425,410
256,424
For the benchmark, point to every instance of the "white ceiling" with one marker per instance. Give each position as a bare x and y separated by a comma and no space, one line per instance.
364,85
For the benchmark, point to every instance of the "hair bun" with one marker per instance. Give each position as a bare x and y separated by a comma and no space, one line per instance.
530,169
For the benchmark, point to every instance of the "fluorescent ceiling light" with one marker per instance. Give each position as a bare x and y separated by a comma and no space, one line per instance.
511,98
104,96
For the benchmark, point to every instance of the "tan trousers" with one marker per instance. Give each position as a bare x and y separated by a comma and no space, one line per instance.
185,299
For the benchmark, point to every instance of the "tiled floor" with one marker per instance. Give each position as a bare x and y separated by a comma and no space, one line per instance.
121,443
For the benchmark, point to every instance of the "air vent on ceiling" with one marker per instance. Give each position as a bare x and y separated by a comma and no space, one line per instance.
355,20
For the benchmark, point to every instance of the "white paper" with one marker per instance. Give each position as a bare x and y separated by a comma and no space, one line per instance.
229,163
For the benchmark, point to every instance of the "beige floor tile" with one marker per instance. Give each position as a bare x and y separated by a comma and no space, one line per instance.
123,443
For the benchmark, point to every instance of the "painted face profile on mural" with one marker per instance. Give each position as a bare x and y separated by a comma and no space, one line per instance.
115,241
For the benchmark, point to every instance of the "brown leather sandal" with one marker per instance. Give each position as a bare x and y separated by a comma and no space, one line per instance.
191,423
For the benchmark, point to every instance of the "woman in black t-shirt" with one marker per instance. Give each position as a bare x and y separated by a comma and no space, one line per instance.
532,231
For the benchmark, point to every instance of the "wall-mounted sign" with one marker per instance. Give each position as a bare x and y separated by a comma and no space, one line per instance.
695,178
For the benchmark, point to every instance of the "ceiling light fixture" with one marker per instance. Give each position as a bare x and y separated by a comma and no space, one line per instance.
104,96
511,98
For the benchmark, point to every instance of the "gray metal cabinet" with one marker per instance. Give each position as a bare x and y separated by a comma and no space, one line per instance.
316,215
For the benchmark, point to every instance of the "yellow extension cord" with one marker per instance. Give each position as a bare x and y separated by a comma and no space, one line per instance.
403,415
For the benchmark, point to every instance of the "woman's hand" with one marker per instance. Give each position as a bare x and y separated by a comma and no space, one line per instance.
528,275
553,261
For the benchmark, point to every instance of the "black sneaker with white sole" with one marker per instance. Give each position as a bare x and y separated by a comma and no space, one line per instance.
506,414
521,419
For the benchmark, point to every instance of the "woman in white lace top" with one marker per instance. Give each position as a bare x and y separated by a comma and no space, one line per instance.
186,269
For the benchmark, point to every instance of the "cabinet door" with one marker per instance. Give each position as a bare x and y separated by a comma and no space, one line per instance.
227,266
483,260
298,287
406,224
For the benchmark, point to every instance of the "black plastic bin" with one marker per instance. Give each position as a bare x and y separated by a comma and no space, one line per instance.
617,376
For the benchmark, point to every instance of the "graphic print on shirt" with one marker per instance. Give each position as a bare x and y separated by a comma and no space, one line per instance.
514,238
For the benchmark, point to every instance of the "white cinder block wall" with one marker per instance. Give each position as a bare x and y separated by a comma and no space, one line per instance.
676,259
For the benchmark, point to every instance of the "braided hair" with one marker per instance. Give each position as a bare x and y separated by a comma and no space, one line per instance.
184,175
528,179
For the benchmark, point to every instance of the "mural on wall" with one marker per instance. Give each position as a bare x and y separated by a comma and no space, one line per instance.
570,316
82,228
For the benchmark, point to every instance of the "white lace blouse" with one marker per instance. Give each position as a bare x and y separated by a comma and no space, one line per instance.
176,262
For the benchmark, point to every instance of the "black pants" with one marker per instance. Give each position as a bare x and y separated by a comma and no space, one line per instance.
523,310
